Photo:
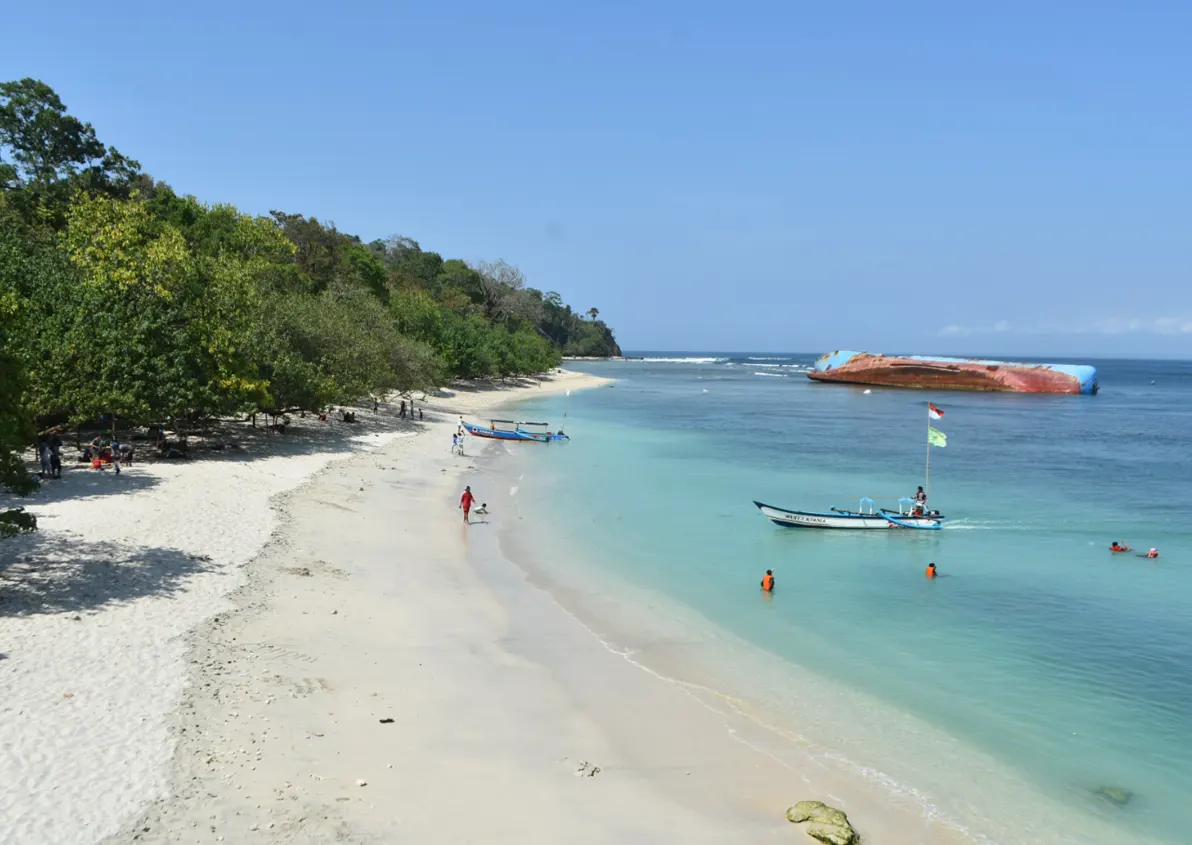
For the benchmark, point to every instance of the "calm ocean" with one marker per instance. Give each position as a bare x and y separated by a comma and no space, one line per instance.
1041,669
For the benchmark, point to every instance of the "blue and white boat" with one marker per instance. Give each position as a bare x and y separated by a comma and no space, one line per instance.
866,516
514,430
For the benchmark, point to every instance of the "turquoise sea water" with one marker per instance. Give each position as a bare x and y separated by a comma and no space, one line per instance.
1041,666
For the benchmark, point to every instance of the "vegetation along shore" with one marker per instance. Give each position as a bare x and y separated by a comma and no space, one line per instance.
125,302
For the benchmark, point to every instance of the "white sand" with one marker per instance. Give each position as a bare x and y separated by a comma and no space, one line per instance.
94,608
371,601
375,602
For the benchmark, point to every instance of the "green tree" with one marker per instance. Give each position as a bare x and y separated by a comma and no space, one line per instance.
153,331
51,153
16,429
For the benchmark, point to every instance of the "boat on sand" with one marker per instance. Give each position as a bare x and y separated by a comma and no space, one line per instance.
513,430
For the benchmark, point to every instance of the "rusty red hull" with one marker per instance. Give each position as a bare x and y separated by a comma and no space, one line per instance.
953,373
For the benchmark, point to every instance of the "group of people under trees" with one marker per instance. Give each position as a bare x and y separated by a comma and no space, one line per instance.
401,414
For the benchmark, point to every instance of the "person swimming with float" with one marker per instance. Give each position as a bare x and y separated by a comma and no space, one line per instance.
768,581
1118,547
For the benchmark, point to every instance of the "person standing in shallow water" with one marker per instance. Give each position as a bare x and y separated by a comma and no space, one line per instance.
768,581
466,501
930,573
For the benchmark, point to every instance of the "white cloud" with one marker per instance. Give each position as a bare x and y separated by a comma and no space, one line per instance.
1110,326
1172,325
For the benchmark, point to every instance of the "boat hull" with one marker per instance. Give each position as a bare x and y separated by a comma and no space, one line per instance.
916,522
845,520
953,373
514,434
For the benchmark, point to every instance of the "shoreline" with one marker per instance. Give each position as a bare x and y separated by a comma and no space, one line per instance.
370,602
100,607
281,736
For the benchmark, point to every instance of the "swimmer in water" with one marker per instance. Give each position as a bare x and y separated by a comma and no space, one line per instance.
768,581
1118,547
1152,553
931,573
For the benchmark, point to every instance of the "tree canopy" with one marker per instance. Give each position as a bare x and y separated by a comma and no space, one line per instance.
120,297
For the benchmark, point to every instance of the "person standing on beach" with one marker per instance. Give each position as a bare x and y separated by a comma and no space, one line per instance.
401,415
44,455
56,455
466,501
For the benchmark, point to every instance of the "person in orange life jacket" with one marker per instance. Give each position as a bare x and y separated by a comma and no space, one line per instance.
931,570
768,581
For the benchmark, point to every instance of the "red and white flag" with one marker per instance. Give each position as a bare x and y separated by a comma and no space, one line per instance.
934,412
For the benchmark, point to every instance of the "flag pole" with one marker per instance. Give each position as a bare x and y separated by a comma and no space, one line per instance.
927,481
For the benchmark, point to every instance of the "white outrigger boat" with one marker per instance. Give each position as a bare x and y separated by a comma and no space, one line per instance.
910,514
866,516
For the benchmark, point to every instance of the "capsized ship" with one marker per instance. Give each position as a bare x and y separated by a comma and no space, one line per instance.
920,371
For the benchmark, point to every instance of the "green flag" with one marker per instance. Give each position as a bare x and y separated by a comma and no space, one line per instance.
935,437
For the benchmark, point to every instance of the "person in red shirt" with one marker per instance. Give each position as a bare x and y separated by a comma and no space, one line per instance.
466,501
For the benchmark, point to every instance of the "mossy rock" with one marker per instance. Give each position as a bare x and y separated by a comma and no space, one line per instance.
833,834
816,811
1114,795
828,824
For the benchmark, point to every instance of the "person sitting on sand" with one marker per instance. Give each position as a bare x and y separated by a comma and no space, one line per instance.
931,573
1152,553
1118,547
768,581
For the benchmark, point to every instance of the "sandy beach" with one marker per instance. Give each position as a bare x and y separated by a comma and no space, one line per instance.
306,644
100,608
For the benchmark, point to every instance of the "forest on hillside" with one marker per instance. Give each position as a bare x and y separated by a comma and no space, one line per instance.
121,298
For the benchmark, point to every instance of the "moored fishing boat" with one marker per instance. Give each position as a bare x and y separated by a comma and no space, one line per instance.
514,430
865,517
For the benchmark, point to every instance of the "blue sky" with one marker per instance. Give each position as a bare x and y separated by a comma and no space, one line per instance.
917,176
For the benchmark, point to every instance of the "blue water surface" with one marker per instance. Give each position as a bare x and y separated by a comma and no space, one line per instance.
1069,665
